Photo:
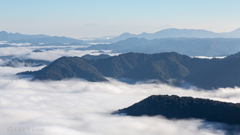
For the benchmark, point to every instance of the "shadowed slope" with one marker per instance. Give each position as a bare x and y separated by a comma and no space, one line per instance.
69,67
185,107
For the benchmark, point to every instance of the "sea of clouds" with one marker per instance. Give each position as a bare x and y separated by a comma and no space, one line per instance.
78,107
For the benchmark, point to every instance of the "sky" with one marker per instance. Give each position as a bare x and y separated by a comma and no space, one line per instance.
97,18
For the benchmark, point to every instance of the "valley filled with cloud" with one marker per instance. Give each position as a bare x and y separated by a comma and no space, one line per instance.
76,106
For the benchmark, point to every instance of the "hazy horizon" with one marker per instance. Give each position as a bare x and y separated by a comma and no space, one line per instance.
119,33
80,19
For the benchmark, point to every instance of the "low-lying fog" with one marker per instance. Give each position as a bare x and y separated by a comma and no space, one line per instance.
48,53
78,107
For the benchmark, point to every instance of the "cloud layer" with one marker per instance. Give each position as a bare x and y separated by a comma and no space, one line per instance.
73,107
49,53
76,106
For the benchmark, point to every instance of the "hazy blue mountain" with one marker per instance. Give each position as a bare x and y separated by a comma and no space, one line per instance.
120,46
203,73
172,33
18,62
49,40
188,46
114,39
178,33
97,38
36,39
4,36
6,45
234,34
175,107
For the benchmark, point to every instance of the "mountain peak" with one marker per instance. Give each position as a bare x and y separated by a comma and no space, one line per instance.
125,33
143,33
234,33
3,32
236,30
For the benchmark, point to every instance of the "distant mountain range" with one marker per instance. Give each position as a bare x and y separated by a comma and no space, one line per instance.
189,46
175,107
166,33
36,39
4,36
171,68
49,40
18,62
172,33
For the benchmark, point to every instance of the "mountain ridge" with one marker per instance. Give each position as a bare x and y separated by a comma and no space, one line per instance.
211,47
5,36
203,73
172,33
35,39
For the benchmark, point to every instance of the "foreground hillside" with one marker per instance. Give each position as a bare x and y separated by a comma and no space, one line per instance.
176,107
166,67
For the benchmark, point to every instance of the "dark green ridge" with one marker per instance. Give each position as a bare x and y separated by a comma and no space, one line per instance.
69,67
175,107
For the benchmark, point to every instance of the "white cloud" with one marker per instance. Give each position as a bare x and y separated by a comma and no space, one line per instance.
14,51
79,107
76,106
206,57
54,53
